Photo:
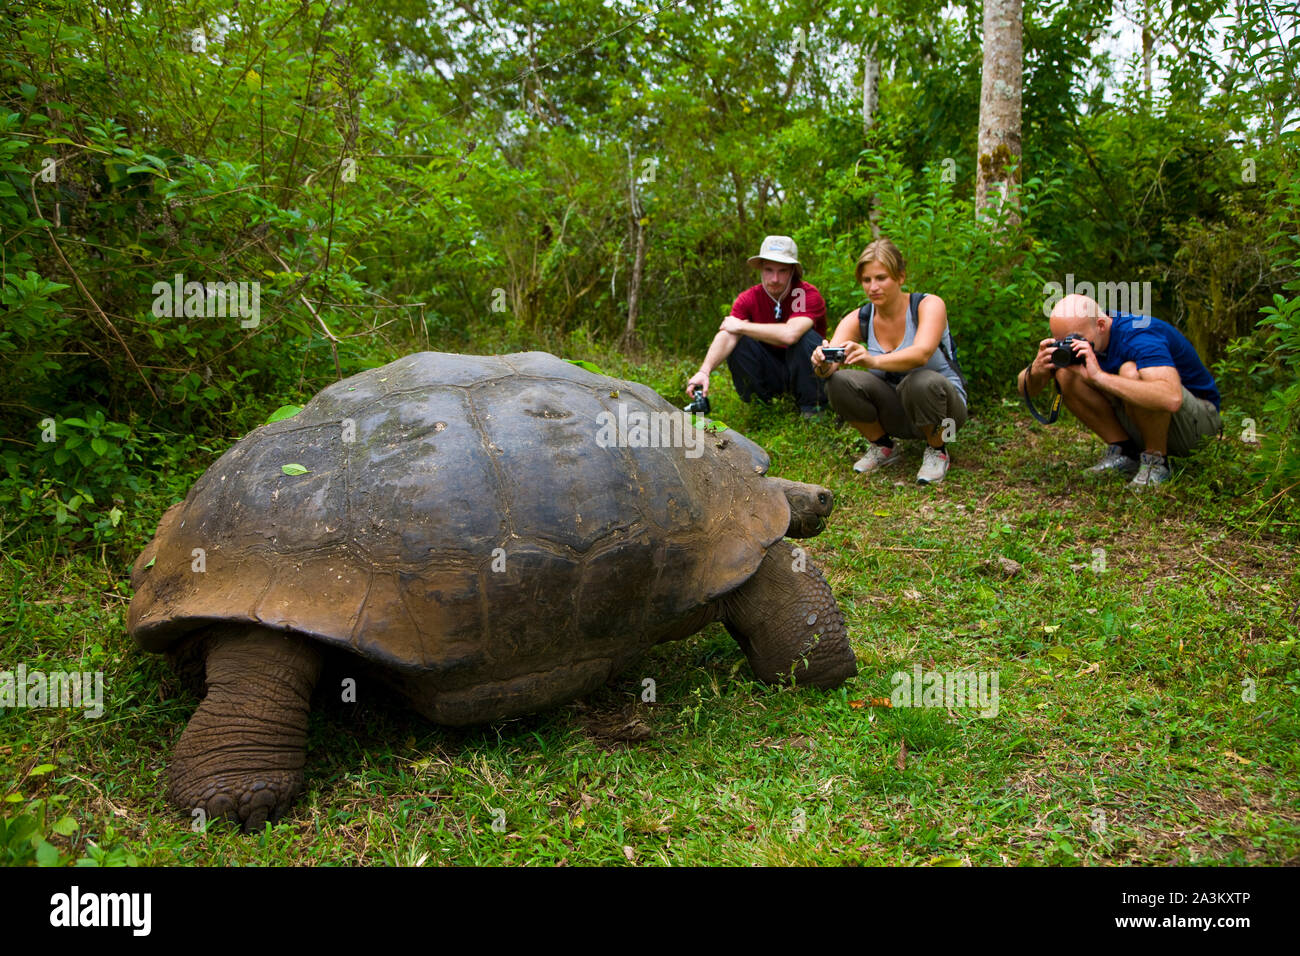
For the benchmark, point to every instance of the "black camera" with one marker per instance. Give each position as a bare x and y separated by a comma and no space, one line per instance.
834,353
1063,356
699,402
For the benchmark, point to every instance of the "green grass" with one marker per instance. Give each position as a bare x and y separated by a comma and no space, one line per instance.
1122,734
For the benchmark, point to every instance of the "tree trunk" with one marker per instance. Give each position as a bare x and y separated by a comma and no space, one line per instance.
1148,41
638,262
999,133
740,199
634,289
870,85
870,102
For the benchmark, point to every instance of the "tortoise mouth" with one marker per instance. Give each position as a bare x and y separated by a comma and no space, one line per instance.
810,507
805,526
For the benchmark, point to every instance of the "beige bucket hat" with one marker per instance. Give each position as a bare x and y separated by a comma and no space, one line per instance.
776,249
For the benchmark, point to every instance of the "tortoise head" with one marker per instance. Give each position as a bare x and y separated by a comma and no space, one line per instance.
810,506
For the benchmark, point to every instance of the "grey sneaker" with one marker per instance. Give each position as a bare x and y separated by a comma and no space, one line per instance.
1153,471
877,456
1113,460
933,467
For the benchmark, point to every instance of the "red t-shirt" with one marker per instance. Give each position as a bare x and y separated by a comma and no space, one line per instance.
755,305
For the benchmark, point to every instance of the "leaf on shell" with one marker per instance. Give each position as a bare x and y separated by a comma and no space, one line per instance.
294,470
283,412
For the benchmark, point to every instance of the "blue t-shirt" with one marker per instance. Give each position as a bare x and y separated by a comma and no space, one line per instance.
1149,342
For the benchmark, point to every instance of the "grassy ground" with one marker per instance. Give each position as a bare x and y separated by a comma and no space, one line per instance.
1145,649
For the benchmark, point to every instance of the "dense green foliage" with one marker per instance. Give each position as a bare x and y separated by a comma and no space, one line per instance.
403,175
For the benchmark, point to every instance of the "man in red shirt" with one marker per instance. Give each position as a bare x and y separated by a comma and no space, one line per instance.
769,337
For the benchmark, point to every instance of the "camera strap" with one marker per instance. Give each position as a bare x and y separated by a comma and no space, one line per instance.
1054,411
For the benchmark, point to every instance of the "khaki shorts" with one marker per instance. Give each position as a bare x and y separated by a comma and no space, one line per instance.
1196,419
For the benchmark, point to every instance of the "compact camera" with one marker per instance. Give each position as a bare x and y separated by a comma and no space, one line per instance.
699,402
834,353
1063,356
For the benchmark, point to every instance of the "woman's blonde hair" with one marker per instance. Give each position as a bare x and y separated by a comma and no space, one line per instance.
884,252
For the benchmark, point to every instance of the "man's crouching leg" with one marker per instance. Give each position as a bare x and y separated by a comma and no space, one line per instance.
1093,407
1151,423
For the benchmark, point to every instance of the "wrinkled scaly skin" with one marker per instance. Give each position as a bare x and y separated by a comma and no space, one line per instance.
788,623
241,756
378,555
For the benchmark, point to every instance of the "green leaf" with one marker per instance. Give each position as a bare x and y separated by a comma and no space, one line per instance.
582,363
65,826
47,854
151,561
42,769
283,412
99,446
708,424
294,470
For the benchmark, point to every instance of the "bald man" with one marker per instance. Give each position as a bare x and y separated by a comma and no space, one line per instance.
1138,385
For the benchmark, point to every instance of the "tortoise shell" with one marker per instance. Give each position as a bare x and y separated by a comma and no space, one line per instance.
461,516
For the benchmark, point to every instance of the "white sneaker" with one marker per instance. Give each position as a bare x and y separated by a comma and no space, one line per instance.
1154,470
933,467
877,456
1113,460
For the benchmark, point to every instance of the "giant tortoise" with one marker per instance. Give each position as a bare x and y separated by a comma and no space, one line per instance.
489,535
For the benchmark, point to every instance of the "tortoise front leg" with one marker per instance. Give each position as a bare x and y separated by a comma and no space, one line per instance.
787,622
241,757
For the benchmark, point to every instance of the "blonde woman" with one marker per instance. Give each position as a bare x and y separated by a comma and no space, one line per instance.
897,378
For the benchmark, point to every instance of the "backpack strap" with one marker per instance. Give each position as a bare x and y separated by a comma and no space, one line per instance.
864,320
946,344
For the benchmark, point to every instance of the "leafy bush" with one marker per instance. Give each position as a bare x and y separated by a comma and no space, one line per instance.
1281,445
990,276
1265,365
24,837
